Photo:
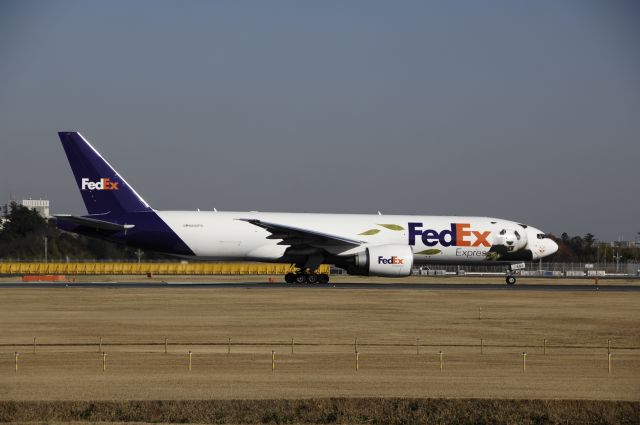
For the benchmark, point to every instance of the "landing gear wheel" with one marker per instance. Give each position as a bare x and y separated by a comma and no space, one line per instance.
323,278
510,280
312,278
301,278
290,278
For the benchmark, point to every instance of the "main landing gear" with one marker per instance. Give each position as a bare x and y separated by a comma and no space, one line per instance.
306,277
510,279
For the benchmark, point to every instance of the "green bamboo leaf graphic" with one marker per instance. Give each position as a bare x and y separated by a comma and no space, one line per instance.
493,256
392,227
433,251
370,232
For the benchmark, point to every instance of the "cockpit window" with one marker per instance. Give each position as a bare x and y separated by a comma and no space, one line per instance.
541,235
503,232
517,234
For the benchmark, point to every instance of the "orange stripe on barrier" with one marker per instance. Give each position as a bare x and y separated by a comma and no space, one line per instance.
44,278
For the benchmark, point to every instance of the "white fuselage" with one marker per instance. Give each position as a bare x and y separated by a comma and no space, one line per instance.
433,239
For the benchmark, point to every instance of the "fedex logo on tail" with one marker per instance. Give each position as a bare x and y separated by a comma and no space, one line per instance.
102,184
459,234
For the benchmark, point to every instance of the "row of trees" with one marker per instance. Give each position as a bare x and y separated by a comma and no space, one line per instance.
586,249
22,237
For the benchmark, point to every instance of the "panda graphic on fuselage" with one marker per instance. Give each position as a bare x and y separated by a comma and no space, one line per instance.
508,244
511,239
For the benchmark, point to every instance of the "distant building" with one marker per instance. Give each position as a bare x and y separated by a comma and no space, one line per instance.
40,205
617,244
624,244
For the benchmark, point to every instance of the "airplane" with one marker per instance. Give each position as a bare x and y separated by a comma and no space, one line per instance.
365,245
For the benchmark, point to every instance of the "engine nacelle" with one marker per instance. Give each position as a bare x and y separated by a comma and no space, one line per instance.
384,260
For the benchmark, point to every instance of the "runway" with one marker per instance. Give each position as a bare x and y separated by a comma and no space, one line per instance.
330,286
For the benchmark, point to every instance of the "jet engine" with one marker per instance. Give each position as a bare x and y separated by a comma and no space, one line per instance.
382,260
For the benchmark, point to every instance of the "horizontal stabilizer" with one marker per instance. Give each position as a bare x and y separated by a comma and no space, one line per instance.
94,223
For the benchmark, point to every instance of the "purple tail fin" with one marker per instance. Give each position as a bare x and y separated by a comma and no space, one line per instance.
103,190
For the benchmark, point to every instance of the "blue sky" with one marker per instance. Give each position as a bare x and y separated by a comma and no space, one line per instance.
521,110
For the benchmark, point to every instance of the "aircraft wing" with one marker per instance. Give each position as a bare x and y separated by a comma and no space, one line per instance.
291,235
94,223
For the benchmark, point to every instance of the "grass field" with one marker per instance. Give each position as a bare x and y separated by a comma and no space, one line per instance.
324,324
387,411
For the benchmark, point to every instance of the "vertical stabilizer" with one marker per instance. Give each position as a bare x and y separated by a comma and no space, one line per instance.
103,190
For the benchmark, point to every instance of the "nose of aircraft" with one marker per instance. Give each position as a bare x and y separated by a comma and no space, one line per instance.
552,246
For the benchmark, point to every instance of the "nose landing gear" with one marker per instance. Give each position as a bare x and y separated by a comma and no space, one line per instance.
306,277
512,272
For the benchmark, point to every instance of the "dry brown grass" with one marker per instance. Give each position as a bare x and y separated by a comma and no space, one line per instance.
328,411
324,324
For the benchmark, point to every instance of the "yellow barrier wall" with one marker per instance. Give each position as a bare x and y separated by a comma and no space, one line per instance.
153,268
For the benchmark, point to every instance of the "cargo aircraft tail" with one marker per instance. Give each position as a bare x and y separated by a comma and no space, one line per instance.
116,211
103,190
